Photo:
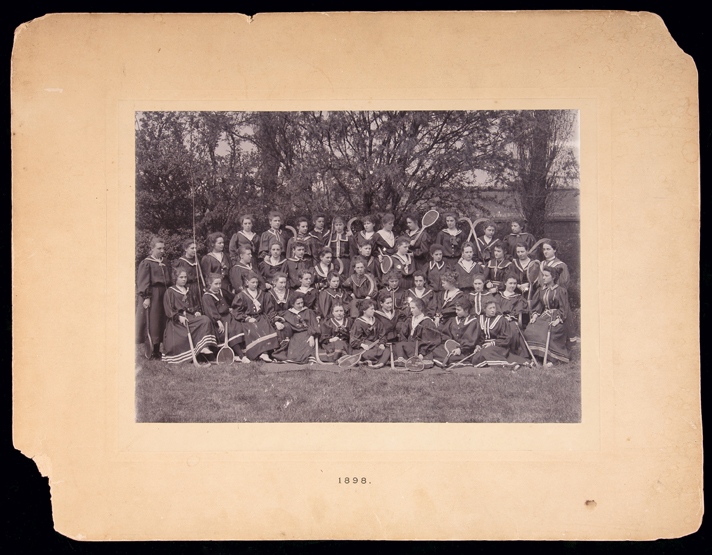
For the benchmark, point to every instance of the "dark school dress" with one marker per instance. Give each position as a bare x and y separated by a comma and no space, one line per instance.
484,250
466,274
329,350
176,346
479,300
374,268
260,337
428,298
496,273
306,242
360,288
445,307
433,271
550,304
519,271
319,239
238,273
463,330
359,239
195,282
399,296
513,308
329,297
452,244
564,277
217,308
321,275
269,269
339,245
240,239
384,243
210,264
311,296
407,268
275,307
363,332
293,267
269,237
424,332
421,248
511,241
303,325
393,324
495,338
152,279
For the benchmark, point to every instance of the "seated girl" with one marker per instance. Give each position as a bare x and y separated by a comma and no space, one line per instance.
425,294
181,316
421,336
305,289
332,295
550,311
390,318
384,239
273,264
464,329
394,289
486,242
494,341
339,242
466,268
304,330
367,335
360,284
447,298
217,309
335,332
513,305
243,267
496,270
479,298
249,309
404,262
365,237
189,262
323,267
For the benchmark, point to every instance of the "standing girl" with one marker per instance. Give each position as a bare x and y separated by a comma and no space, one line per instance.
189,263
466,268
245,238
496,270
419,241
385,239
451,238
217,261
404,262
152,279
182,316
486,242
339,244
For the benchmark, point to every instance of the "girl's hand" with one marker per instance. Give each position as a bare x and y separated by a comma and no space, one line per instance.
279,326
364,346
310,341
412,243
197,314
221,328
251,320
267,286
457,352
489,343
533,318
381,347
183,320
146,303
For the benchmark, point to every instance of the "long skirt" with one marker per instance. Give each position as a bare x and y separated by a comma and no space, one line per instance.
517,345
260,337
439,355
536,333
156,316
496,356
298,350
176,346
330,352
236,336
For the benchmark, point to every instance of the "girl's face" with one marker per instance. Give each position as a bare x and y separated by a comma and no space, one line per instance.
516,228
547,278
190,251
299,252
479,285
460,312
246,257
339,226
334,282
298,304
437,256
450,222
326,258
306,280
387,304
247,225
359,269
419,282
511,285
491,310
338,312
467,253
215,285
447,285
369,312
252,284
521,253
368,226
275,250
414,310
548,251
275,222
182,279
281,283
412,224
402,248
365,251
158,250
303,228
498,253
489,231
219,245
388,226
319,224
393,283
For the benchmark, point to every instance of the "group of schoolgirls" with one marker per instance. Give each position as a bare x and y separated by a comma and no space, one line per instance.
331,289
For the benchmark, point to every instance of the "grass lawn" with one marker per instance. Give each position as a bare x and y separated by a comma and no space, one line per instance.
249,393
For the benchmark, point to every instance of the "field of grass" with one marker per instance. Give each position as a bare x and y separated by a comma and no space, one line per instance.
250,393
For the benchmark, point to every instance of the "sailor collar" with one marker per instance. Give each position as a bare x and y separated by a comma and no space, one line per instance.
188,261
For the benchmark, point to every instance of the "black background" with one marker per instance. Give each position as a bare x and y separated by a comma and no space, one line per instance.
27,520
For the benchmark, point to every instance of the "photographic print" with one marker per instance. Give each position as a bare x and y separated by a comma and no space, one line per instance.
358,266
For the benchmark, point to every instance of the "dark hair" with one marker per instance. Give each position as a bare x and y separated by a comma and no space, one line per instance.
492,301
324,251
464,303
402,241
301,219
333,306
317,216
155,240
521,221
186,243
279,275
393,273
177,270
435,247
419,273
478,276
305,271
450,214
295,298
555,272
331,275
245,250
552,243
418,302
468,244
489,224
213,277
365,304
247,217
520,244
383,294
274,214
413,216
450,276
368,218
213,238
248,276
358,260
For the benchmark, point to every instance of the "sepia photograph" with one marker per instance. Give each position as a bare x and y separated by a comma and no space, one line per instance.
358,266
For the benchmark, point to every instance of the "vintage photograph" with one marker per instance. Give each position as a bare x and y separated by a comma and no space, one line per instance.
358,266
